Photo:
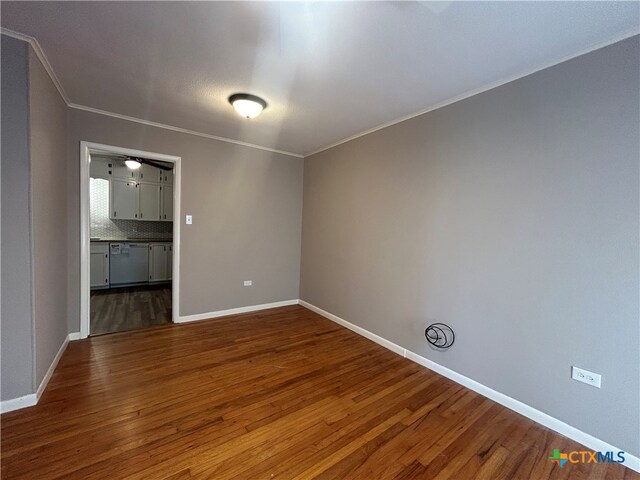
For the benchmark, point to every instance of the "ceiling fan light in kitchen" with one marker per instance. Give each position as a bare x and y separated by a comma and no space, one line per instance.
249,106
132,164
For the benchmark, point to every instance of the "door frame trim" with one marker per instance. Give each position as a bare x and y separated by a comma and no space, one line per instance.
86,148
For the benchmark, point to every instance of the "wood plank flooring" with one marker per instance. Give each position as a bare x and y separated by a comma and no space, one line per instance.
130,308
277,394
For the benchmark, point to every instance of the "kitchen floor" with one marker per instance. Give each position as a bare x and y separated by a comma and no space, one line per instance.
130,308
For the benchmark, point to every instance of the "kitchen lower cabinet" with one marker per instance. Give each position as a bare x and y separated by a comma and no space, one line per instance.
99,265
124,261
158,268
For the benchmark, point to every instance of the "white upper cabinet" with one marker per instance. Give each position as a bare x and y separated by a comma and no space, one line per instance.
142,194
167,203
120,170
100,168
149,201
167,177
149,174
123,200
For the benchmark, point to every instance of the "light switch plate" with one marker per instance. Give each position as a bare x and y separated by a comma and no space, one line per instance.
248,283
189,219
585,376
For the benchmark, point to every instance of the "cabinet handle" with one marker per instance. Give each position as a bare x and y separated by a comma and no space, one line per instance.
136,215
106,256
142,175
114,214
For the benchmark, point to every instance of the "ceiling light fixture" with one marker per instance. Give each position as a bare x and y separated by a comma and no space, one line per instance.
132,164
247,105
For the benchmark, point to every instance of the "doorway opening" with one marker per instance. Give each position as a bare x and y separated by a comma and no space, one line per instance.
130,239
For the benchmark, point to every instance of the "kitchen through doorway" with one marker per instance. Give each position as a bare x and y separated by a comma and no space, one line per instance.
131,212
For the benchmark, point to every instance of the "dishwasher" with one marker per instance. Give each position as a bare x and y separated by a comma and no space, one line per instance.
128,264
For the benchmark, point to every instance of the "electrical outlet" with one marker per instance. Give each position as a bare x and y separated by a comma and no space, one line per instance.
248,283
188,219
585,376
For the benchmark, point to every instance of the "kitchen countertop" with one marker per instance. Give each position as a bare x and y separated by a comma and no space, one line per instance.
132,240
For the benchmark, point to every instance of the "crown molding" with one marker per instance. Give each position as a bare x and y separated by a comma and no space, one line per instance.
179,129
476,91
41,56
470,93
54,78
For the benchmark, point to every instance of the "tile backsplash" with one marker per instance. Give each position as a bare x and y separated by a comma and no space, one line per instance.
107,229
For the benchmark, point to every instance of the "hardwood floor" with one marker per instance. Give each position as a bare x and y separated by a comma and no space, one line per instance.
130,308
281,393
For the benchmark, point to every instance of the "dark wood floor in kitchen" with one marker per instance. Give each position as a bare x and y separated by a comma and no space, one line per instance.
281,393
130,308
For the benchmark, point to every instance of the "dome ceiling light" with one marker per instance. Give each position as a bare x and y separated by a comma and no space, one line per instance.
247,105
132,164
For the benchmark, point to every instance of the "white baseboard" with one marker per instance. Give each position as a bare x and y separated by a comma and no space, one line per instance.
54,363
234,311
17,403
537,416
33,398
359,330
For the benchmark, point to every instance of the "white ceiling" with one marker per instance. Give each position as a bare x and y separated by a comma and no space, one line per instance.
329,71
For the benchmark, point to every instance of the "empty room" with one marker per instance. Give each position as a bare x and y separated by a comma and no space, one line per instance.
333,240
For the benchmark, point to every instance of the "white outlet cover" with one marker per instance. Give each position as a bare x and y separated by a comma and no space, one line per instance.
189,219
585,376
248,283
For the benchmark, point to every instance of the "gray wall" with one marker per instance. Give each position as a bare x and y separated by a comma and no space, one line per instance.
49,215
17,323
34,220
512,216
246,206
